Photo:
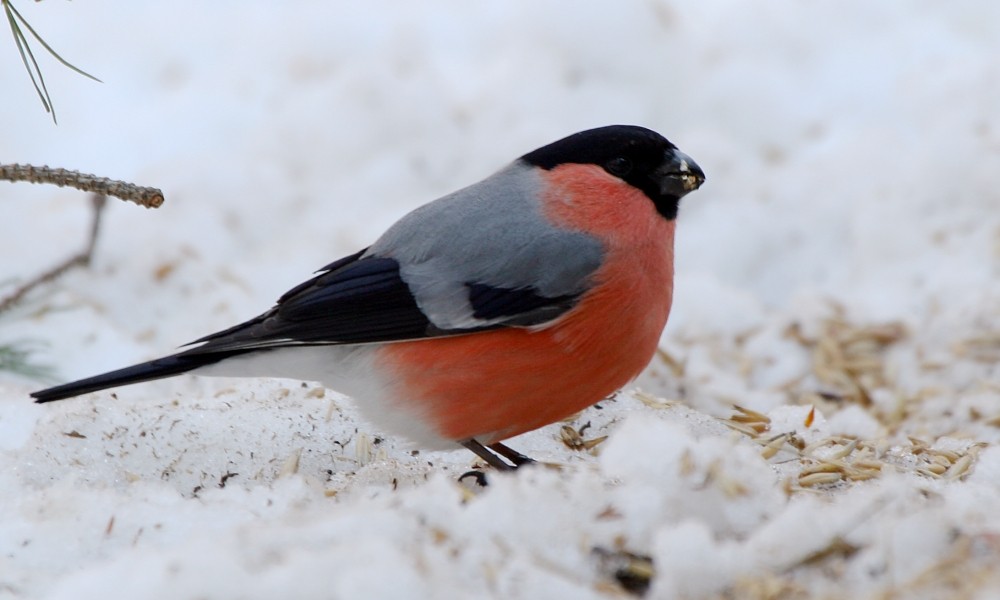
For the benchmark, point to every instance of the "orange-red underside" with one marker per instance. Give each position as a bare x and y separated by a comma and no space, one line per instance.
501,383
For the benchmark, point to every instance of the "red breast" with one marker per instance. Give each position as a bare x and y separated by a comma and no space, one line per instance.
498,384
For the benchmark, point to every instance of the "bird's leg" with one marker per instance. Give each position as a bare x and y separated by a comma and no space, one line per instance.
484,452
510,454
491,459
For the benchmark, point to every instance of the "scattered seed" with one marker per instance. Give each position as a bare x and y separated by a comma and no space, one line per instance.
823,467
574,440
652,401
291,464
730,487
838,547
960,467
844,451
687,464
819,479
747,415
773,446
676,367
748,430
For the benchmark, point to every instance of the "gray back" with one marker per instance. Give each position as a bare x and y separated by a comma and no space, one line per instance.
494,233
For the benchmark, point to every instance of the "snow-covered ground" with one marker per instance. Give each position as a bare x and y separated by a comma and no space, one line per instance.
838,279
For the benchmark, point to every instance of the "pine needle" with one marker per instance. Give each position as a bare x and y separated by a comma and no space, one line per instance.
15,357
16,21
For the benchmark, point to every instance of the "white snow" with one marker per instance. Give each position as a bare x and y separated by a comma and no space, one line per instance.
847,238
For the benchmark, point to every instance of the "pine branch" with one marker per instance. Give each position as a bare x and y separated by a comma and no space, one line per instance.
143,196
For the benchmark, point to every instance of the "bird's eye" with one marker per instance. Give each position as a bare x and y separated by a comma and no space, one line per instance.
619,166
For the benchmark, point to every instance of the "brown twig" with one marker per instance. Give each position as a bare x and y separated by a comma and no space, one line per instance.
143,196
80,259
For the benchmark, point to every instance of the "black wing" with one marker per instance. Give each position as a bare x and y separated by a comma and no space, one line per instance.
358,299
354,300
517,307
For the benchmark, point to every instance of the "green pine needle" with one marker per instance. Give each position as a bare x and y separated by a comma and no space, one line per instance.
16,21
16,357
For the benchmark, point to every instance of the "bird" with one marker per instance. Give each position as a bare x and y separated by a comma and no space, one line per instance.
492,311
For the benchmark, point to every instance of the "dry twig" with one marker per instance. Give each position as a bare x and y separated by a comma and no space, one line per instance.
80,259
143,196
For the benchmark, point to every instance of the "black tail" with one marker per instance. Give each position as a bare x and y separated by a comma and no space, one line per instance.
167,366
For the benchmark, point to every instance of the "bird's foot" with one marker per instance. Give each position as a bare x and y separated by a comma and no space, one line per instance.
476,478
512,455
492,455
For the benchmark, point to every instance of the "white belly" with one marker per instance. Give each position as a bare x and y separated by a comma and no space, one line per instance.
350,370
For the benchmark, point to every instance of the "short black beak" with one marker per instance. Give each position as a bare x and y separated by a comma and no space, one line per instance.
679,175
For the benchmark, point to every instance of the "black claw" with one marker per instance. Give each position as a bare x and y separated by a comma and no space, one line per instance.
477,476
510,454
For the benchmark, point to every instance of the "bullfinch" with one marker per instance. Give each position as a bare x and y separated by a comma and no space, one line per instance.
492,311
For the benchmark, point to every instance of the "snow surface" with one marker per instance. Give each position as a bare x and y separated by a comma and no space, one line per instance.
844,256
